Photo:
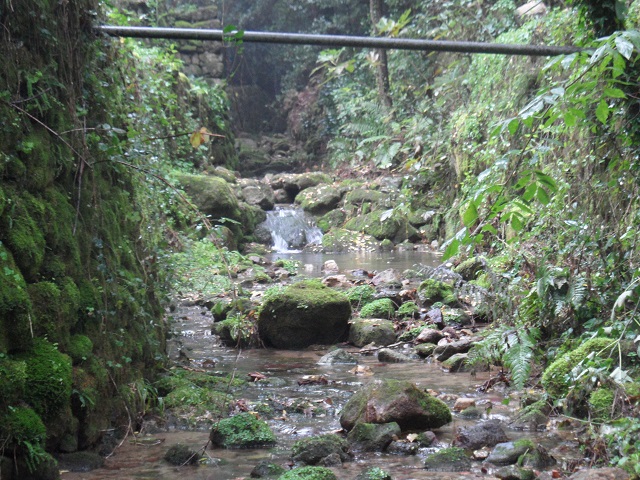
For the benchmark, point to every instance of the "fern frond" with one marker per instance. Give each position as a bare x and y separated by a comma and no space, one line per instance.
518,357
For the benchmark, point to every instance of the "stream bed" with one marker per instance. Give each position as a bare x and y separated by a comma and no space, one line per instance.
194,347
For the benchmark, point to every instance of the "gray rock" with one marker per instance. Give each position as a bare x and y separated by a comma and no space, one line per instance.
508,453
402,448
386,401
313,450
388,355
364,331
448,350
452,459
429,335
484,434
456,363
337,356
372,437
514,472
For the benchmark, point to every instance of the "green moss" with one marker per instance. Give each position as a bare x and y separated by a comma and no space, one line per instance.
453,459
381,308
20,231
361,294
313,449
48,382
15,305
47,318
309,473
555,378
431,291
601,403
22,425
372,224
80,348
13,376
407,309
242,431
374,473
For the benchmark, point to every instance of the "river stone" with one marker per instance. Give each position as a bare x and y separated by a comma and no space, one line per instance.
508,453
456,363
181,454
425,350
388,355
398,447
374,473
266,469
259,195
484,434
388,400
606,473
452,459
429,335
318,200
388,276
364,331
313,450
212,195
337,356
513,472
241,431
538,458
304,314
448,350
330,267
372,437
84,461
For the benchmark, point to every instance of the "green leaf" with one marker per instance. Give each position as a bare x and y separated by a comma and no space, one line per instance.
489,228
513,126
618,66
516,223
452,249
614,93
569,119
624,46
543,196
602,112
470,215
530,192
547,181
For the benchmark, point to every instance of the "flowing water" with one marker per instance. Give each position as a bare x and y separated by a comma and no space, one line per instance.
291,228
194,344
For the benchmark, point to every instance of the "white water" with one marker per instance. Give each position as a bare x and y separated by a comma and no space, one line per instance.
291,229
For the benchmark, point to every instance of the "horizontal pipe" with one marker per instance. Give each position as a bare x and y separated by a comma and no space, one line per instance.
340,41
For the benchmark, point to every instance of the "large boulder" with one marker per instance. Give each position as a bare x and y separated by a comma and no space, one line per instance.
212,195
257,193
373,437
486,434
318,200
312,450
304,314
397,401
372,330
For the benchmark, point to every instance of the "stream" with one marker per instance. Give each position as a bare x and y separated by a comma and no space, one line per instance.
194,347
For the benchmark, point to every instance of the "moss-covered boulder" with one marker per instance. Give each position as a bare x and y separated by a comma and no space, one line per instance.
451,459
181,454
48,378
242,431
379,224
318,200
304,314
555,378
381,308
397,401
372,437
361,295
601,403
374,473
364,331
80,348
508,453
313,450
309,473
432,291
408,310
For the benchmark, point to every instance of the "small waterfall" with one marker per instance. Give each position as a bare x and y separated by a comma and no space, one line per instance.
291,229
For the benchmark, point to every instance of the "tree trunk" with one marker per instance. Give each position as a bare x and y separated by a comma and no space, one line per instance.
382,68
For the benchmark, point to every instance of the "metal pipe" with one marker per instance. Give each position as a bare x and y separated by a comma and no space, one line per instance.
340,41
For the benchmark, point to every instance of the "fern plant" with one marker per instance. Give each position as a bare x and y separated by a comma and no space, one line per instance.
513,347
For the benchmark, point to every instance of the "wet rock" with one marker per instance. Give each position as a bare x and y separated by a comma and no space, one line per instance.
371,330
318,200
339,240
452,459
379,308
336,281
425,350
330,267
398,447
306,473
429,335
432,291
389,400
313,450
426,439
472,413
372,437
80,461
331,460
242,431
532,417
607,473
338,356
181,454
445,351
463,403
256,193
388,355
386,277
508,453
266,469
470,268
513,472
538,458
456,363
484,434
374,473
304,314
456,317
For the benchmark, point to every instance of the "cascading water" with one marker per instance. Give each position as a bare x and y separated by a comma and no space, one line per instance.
291,229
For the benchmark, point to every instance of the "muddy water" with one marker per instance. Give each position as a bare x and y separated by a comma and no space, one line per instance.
193,346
